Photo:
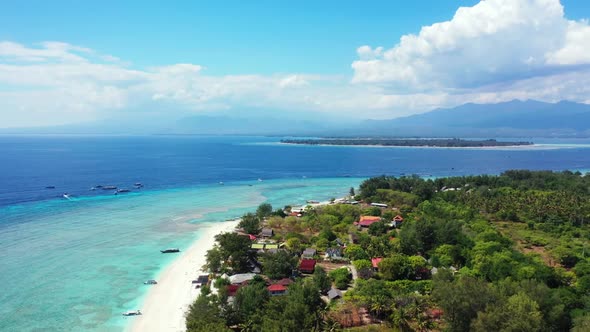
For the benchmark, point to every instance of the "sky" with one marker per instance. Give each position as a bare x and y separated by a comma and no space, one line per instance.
76,61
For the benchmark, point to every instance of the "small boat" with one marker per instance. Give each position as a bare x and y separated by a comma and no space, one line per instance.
221,183
122,190
50,187
93,188
66,196
313,202
132,313
150,282
138,184
170,250
99,186
109,187
259,180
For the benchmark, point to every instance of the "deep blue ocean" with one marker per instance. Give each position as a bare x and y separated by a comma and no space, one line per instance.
74,164
75,265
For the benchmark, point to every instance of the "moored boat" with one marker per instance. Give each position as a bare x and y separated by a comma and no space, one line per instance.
109,187
150,282
170,250
118,191
132,313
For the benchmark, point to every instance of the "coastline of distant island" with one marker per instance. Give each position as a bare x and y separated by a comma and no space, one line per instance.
408,142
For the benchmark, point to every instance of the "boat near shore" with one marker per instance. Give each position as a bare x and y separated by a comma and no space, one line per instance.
108,187
170,250
132,313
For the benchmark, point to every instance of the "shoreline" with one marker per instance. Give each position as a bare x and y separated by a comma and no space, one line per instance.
165,304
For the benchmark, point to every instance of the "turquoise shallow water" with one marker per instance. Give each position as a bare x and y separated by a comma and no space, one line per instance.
76,265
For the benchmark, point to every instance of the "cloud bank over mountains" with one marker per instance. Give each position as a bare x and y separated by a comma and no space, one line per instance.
495,51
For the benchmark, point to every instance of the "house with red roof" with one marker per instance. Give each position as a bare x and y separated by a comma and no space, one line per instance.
366,221
397,221
307,265
276,289
375,262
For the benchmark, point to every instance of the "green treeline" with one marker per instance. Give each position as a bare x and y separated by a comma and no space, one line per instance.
431,142
474,253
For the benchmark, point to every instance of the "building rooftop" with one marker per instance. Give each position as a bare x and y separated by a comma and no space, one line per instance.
334,294
376,261
368,220
276,288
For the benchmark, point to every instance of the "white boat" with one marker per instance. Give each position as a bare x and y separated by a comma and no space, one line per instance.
132,313
66,196
259,180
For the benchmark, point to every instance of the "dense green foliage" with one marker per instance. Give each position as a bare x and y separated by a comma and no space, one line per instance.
341,278
232,253
278,265
475,253
250,223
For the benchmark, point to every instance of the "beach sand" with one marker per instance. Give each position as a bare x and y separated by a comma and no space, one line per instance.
166,304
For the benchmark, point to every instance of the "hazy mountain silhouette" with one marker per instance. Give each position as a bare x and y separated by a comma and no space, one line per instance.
508,119
521,118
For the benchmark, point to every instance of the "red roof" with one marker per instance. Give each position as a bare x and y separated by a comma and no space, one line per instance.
307,265
376,261
276,288
232,289
435,313
368,220
398,218
252,237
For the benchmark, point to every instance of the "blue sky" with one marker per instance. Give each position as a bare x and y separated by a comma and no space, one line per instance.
332,55
228,37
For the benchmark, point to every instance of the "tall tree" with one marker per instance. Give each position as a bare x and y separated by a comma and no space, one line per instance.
250,223
461,300
264,210
278,265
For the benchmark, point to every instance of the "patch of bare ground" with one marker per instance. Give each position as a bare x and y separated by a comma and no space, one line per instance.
331,266
513,231
545,256
350,315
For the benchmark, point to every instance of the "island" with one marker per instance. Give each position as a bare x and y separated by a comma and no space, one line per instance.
470,253
415,142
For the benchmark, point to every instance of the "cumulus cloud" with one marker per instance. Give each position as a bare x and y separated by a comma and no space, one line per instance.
493,41
495,51
54,83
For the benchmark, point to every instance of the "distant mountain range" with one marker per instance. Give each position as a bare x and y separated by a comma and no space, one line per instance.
509,119
513,118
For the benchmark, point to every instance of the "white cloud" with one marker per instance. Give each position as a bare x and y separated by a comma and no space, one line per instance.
497,50
293,80
493,41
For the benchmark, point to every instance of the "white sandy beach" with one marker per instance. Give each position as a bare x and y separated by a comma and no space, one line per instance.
167,302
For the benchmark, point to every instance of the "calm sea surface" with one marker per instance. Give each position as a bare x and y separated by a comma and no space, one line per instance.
75,265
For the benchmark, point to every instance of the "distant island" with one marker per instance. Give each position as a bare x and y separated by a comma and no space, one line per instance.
435,142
